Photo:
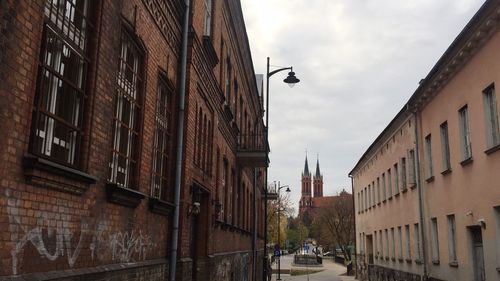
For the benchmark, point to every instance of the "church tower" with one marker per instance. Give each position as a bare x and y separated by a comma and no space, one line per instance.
318,182
305,199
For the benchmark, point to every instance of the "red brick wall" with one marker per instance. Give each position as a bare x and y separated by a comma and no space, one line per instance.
43,228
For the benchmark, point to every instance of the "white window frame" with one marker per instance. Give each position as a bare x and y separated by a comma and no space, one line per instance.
491,117
435,240
428,157
464,128
445,146
452,238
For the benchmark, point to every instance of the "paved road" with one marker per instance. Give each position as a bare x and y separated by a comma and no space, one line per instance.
331,271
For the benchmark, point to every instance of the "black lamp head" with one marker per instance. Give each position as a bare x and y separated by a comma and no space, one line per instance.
291,80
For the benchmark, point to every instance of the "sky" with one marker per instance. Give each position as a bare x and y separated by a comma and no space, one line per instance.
359,61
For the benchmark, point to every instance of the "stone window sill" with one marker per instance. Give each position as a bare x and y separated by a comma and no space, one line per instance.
33,165
404,190
390,198
160,207
435,262
401,260
492,149
445,172
466,162
123,196
418,261
429,179
413,186
453,264
408,260
393,259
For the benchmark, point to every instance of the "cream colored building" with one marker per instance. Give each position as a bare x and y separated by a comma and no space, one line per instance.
427,191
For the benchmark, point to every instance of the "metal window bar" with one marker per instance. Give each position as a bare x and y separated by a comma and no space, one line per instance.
126,115
60,96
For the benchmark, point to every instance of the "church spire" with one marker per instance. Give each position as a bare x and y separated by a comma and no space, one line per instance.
317,168
306,168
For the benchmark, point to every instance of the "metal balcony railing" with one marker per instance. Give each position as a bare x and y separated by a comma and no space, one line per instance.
252,142
272,192
252,150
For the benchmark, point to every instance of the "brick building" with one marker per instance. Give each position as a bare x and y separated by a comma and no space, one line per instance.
427,193
101,119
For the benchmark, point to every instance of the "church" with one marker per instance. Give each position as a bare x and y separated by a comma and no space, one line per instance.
309,201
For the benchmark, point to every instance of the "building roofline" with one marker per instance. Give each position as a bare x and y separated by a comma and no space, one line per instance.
435,78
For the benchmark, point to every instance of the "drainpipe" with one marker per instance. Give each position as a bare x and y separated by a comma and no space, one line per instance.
420,192
355,234
180,142
254,240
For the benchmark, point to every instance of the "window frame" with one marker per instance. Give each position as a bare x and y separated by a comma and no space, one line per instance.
465,135
491,117
134,126
445,146
60,29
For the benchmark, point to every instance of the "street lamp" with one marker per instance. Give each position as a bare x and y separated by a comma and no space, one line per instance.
279,242
291,80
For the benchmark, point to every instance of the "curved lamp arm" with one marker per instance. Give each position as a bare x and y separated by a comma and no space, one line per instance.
269,74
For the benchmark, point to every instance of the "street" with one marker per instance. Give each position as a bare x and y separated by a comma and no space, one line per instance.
330,271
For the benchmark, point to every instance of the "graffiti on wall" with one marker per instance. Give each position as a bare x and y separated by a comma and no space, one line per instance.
55,236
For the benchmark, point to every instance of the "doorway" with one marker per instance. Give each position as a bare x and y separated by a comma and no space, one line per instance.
477,253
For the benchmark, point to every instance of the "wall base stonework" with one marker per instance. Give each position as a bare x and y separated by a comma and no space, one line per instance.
379,273
154,270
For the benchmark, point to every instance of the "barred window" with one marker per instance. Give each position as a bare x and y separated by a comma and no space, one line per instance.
58,110
162,141
124,155
207,17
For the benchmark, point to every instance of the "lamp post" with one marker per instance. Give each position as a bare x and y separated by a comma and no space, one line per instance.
279,242
291,80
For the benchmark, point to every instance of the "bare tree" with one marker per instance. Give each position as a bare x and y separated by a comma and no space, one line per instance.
334,224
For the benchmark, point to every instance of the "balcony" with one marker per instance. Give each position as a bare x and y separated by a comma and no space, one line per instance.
272,192
252,151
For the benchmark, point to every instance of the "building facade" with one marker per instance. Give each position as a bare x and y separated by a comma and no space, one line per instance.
427,194
116,124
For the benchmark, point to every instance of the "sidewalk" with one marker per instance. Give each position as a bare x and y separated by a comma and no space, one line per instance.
331,271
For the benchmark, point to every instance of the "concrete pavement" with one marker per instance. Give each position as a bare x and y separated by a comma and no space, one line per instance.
330,271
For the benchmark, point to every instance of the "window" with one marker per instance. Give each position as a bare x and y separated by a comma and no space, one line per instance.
445,146
428,157
386,243
452,239
491,116
366,199
412,178
408,242
57,127
400,238
384,186
416,234
379,199
127,113
497,218
375,244
435,240
393,240
403,173
381,240
227,82
389,183
225,184
203,142
370,196
162,141
373,194
465,143
207,18
396,179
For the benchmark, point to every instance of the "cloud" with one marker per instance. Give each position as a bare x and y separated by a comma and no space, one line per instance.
358,61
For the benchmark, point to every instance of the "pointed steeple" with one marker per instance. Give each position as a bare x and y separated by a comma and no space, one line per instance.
317,168
306,168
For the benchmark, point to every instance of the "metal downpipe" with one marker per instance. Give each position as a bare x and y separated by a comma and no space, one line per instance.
180,142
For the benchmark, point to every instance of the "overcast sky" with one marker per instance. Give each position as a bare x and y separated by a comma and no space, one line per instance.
359,61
